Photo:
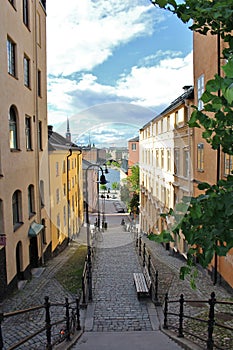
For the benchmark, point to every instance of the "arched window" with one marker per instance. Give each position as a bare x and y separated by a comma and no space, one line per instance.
13,128
31,201
17,209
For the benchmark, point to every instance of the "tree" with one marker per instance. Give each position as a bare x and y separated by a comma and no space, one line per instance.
134,179
115,185
207,220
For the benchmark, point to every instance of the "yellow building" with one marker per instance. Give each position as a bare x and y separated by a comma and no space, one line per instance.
66,190
24,229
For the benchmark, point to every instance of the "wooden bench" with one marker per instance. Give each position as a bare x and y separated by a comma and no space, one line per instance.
142,282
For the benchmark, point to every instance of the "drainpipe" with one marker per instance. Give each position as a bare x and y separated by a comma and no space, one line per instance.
218,155
68,192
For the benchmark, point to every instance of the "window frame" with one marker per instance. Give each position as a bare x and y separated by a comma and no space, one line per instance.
31,201
11,57
200,156
26,13
26,70
28,133
13,128
17,209
200,91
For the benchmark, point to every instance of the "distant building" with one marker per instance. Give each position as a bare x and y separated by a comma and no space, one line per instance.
94,155
25,240
133,157
66,190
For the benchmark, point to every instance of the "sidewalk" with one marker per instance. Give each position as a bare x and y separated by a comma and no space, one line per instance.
116,319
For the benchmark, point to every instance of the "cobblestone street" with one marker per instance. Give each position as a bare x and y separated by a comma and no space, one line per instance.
115,315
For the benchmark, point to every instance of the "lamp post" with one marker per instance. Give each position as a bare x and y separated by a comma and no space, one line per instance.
102,181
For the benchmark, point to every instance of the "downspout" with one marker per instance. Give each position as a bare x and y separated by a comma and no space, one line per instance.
68,192
218,154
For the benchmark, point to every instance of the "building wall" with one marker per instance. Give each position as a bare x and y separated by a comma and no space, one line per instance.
133,156
20,167
208,66
65,190
164,179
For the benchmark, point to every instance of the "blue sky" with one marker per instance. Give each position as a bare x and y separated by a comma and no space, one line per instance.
113,66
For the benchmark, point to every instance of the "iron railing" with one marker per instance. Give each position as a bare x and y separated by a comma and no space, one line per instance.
48,332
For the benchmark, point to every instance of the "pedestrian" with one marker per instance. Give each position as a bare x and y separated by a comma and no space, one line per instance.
96,222
122,222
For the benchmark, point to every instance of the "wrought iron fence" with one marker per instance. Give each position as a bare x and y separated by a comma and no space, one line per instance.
58,325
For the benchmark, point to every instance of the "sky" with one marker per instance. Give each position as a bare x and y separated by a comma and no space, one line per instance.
112,66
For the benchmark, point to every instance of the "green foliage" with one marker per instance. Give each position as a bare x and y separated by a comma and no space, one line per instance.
215,17
70,274
207,221
134,202
115,185
134,179
103,187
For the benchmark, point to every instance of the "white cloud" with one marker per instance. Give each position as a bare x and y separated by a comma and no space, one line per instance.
85,33
159,84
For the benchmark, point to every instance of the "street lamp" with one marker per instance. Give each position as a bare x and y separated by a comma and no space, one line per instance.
102,181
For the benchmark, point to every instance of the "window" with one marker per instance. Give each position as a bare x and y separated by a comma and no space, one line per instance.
179,118
200,157
39,83
64,189
57,168
28,132
64,215
17,209
26,67
13,128
40,136
64,167
162,158
134,146
57,195
228,164
176,161
168,160
58,226
1,217
11,57
31,201
25,13
168,123
200,91
42,193
186,163
43,231
157,158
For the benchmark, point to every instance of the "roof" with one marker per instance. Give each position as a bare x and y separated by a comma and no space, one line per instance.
188,94
58,142
135,139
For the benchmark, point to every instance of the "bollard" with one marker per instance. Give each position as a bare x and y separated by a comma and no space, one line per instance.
165,325
83,290
181,314
144,254
149,264
48,323
78,314
140,247
156,288
210,341
67,319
